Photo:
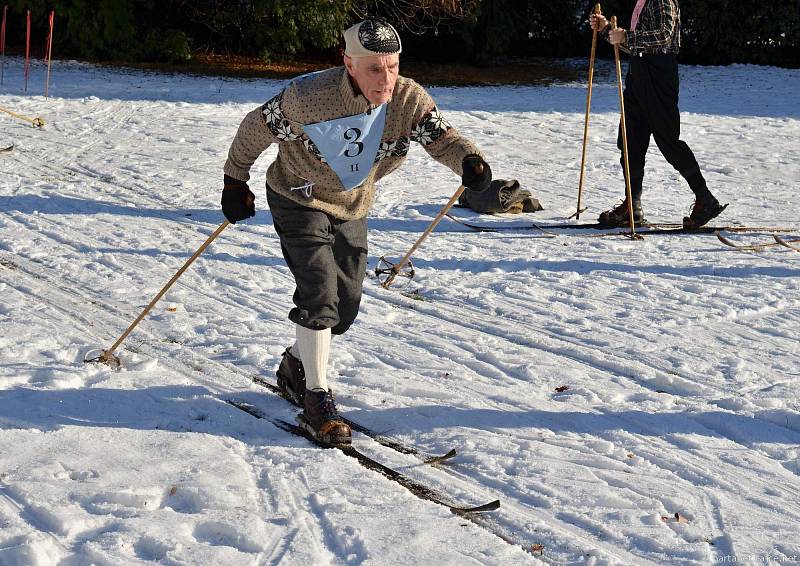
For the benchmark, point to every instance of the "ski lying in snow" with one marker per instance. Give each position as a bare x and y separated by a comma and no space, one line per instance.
5,149
786,243
418,489
650,228
597,226
392,443
758,246
743,247
678,229
498,227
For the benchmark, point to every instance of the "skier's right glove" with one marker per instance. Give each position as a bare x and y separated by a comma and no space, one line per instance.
476,174
238,201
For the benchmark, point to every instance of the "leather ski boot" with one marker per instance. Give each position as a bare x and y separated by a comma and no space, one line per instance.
321,419
705,208
292,378
619,217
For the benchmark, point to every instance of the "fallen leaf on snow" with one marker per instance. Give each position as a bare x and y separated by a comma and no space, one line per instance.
676,518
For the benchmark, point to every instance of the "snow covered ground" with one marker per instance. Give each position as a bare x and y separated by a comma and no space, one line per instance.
680,355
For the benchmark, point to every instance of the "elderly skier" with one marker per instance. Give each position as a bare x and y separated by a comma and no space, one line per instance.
338,132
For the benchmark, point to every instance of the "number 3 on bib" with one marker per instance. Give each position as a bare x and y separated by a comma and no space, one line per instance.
350,144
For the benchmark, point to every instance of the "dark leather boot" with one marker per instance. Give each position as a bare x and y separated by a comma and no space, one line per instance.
620,217
292,378
705,208
322,420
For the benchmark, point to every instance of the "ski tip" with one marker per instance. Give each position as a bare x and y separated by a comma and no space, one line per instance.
444,457
491,506
786,244
726,241
451,454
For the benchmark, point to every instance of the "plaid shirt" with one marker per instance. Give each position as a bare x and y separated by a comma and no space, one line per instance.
658,30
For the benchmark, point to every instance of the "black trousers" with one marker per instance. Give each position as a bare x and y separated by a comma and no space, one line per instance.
651,108
328,258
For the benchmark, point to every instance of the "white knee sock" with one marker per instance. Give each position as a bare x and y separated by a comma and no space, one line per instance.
315,346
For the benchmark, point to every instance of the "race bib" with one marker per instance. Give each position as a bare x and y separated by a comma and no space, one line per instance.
349,145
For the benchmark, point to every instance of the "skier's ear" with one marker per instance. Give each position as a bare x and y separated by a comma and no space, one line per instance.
349,65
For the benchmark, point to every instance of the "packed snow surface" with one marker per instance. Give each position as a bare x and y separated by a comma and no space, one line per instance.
629,402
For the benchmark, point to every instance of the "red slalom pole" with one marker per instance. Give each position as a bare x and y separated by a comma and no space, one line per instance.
49,53
27,49
3,44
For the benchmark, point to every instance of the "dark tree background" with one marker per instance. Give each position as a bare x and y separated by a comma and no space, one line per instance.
476,31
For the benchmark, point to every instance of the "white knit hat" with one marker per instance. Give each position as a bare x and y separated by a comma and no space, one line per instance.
371,37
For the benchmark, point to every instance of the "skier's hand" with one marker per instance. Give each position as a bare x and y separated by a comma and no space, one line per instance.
238,201
617,36
598,22
476,174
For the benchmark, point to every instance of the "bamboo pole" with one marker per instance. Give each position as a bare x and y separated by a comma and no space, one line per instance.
633,234
577,215
36,122
3,45
396,268
107,356
49,53
27,48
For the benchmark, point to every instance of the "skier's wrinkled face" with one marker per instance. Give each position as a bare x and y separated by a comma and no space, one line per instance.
375,75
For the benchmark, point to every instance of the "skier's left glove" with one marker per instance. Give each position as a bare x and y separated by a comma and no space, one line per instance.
238,201
476,174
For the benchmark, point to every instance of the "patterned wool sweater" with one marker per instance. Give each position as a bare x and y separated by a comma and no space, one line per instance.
300,172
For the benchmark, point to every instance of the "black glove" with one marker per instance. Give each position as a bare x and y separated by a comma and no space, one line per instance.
238,201
476,174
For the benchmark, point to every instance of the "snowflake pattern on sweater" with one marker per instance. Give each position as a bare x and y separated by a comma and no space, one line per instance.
431,128
281,128
277,123
396,148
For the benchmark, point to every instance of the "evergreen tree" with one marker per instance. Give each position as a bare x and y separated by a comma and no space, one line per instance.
714,31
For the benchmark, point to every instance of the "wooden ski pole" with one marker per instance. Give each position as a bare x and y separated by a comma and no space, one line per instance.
578,210
27,47
633,235
36,122
396,268
107,356
3,44
49,53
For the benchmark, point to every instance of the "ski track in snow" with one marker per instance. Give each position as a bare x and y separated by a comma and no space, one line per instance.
679,354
